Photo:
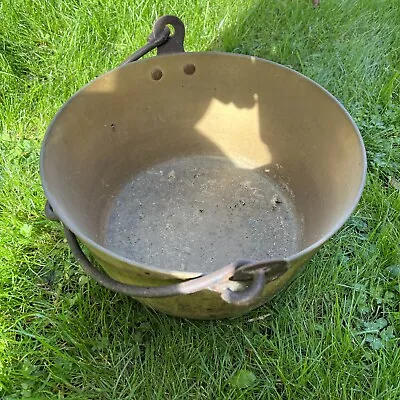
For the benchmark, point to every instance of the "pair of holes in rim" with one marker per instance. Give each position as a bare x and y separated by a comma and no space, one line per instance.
188,69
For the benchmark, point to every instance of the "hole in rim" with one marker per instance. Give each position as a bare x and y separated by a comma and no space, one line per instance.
156,74
171,30
189,69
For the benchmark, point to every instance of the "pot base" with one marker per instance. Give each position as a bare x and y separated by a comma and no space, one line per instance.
200,213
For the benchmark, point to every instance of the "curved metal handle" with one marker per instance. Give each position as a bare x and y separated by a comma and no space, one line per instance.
162,39
174,44
259,272
49,212
187,287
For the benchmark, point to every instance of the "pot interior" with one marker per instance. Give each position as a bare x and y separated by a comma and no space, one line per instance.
197,212
153,161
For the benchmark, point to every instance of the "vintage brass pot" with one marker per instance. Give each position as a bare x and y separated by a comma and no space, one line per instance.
171,167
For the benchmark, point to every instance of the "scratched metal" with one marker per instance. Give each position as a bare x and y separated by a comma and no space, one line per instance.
199,214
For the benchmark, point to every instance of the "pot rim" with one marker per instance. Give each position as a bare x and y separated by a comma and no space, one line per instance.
68,222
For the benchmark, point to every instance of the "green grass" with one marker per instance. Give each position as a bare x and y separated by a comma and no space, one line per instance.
333,335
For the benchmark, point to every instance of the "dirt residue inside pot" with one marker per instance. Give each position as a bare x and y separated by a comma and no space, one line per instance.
199,214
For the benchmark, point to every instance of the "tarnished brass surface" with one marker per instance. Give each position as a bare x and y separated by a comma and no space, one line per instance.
253,113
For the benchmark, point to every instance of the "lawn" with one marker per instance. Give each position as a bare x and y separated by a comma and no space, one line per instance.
334,334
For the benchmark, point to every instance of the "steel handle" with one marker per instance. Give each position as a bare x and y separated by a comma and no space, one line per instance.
186,287
260,273
162,39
